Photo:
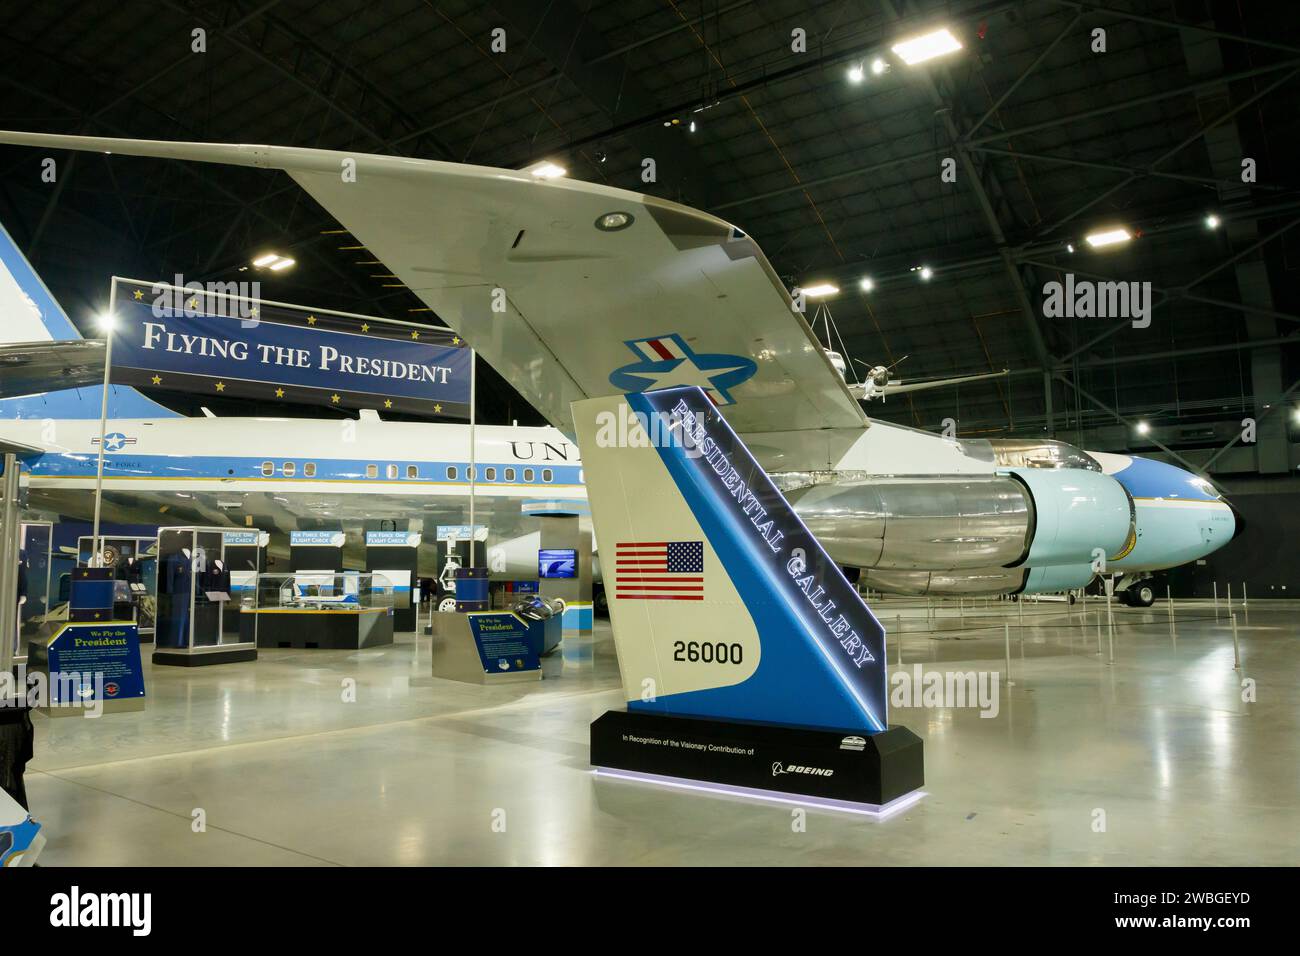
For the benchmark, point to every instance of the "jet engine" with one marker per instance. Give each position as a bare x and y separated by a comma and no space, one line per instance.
1023,517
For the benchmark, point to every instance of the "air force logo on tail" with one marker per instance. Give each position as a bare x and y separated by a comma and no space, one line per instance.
666,361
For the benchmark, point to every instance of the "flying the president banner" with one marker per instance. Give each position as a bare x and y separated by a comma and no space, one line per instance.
204,342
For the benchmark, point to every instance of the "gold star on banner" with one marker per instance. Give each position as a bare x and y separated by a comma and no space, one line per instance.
194,303
311,320
365,326
437,409
334,399
388,403
415,335
279,393
137,295
455,340
221,386
253,311
157,380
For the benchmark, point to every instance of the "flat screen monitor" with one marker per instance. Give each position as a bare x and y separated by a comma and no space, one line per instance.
557,563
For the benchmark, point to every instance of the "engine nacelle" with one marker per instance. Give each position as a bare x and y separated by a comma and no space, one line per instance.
1029,517
946,583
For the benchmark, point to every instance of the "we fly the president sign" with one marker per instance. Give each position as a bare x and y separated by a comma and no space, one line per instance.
209,342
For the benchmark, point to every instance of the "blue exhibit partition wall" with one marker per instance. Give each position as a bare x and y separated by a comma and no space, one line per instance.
743,648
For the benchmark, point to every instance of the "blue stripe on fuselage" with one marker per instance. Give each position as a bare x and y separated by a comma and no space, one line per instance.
83,465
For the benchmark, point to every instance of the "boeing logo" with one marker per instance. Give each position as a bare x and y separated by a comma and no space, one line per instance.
667,361
779,768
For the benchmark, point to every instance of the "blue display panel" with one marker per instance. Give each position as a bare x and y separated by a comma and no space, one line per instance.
557,563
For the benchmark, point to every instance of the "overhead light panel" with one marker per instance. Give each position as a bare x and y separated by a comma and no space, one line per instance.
1143,428
1108,237
878,66
927,46
820,290
856,73
1211,221
866,284
546,170
926,273
273,261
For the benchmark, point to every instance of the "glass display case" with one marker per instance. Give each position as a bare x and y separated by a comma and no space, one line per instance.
194,585
319,609
134,561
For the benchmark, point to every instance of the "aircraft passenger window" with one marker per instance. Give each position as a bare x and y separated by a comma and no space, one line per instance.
490,474
268,468
547,474
372,471
309,470
510,474
528,476
391,471
472,473
412,471
289,469
451,473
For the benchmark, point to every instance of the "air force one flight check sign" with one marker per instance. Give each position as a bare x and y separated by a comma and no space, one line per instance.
175,338
765,627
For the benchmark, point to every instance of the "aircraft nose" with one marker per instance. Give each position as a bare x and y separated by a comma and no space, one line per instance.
1239,519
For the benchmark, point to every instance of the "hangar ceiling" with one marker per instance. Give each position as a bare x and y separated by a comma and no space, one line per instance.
837,180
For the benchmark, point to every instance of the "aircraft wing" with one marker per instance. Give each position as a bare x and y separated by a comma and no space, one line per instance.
29,368
564,300
861,391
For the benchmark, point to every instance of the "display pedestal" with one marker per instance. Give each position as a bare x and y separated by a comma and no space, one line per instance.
202,656
864,772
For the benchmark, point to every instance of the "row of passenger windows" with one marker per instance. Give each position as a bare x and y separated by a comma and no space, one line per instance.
289,469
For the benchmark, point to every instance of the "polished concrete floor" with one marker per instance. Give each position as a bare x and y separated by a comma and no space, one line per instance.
1152,759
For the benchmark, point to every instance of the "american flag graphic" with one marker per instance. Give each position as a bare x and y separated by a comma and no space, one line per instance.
659,570
658,350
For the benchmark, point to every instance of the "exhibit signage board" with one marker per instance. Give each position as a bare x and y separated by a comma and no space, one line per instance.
316,539
88,663
207,343
393,539
504,642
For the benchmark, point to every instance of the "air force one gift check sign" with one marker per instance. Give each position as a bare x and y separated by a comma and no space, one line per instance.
748,661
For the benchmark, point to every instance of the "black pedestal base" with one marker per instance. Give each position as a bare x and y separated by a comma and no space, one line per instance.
864,770
186,659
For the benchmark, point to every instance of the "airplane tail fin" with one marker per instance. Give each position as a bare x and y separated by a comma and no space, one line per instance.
30,315
723,604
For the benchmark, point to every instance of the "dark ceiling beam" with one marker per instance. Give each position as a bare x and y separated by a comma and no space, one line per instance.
763,77
1091,6
1136,171
565,36
1169,153
199,172
304,51
975,173
1024,74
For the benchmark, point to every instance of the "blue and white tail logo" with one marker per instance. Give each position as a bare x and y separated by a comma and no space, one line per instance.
30,313
723,604
667,360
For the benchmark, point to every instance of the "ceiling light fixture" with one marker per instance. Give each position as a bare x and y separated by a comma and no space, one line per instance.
1211,221
878,66
866,284
1108,237
820,290
546,170
927,46
856,73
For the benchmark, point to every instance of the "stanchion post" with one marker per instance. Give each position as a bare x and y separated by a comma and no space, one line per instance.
1169,601
1236,647
898,625
1110,627
1006,636
1216,599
